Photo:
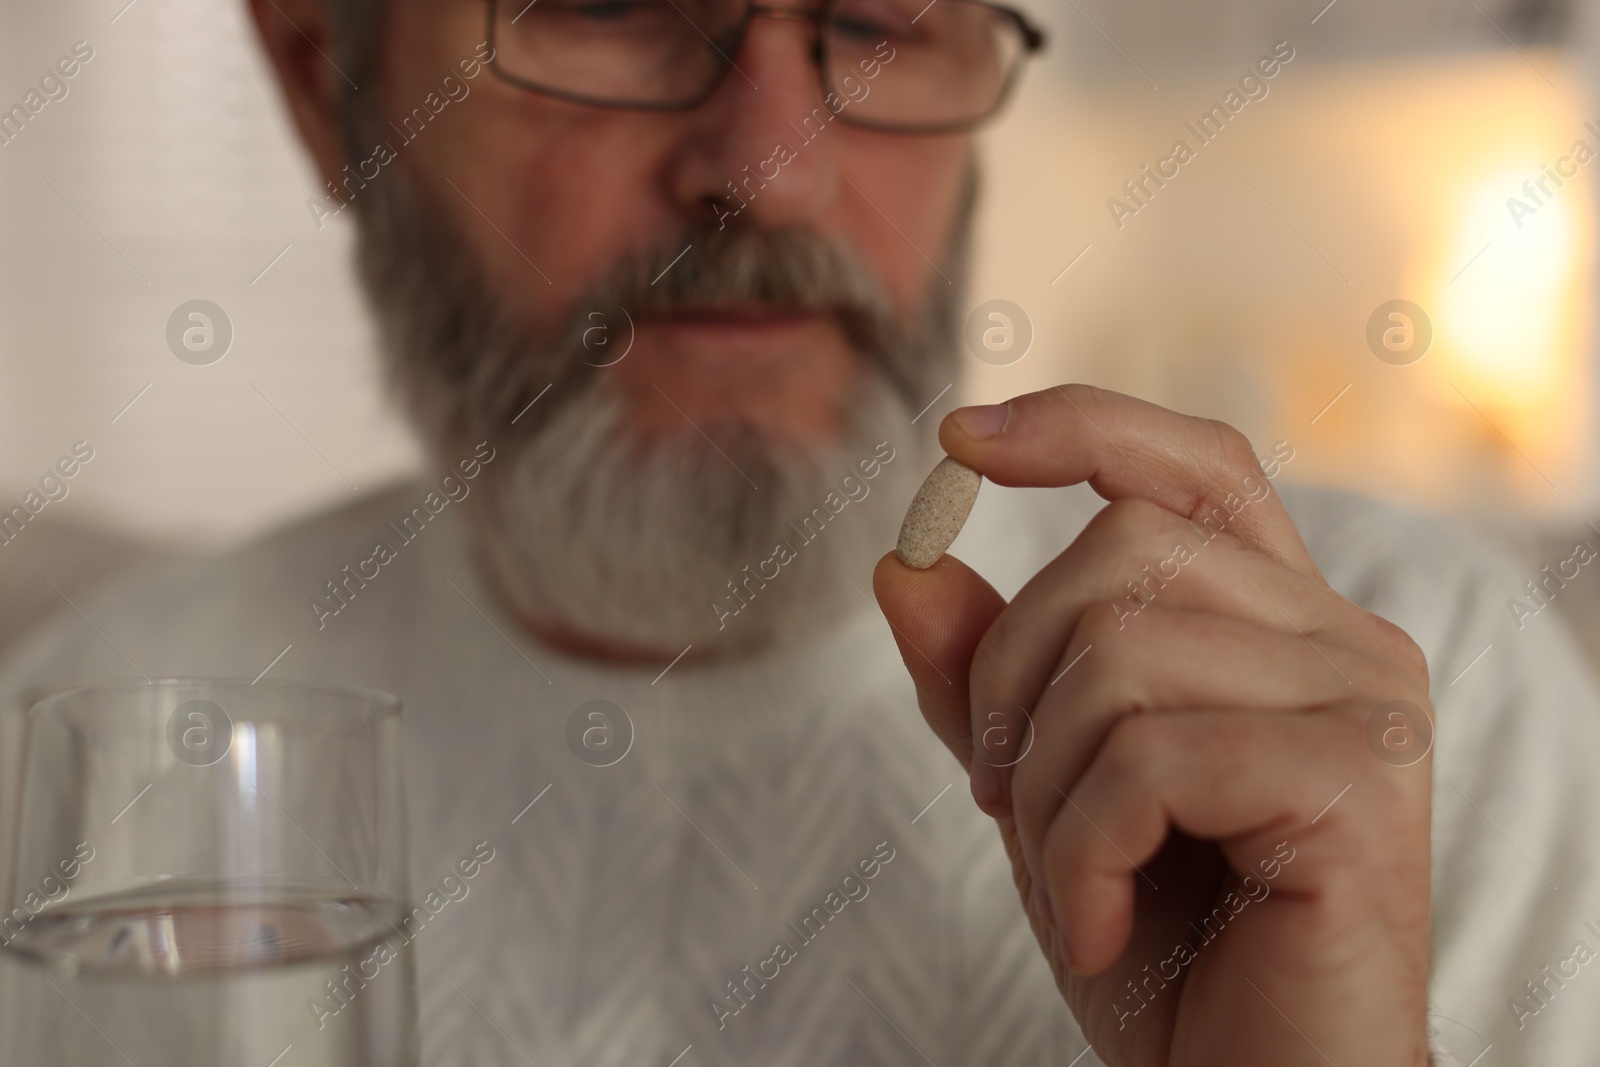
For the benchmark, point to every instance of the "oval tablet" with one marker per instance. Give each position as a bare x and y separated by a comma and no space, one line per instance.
937,513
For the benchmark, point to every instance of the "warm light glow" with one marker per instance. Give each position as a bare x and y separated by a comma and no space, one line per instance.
1502,323
1369,182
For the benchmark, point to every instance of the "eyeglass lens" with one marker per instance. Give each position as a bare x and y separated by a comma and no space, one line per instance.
895,63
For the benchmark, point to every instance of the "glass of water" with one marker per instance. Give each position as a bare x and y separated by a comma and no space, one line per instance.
206,873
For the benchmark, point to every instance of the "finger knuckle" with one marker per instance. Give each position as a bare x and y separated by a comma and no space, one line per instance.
1234,447
1097,626
1080,394
1132,526
1114,669
1132,747
1380,790
1410,654
1399,650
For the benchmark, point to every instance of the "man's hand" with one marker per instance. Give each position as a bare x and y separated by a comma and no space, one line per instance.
1216,861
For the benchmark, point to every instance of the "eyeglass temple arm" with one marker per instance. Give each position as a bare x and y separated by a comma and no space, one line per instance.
1035,38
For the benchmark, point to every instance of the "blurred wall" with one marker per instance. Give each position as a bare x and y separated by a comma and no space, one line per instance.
1242,290
168,174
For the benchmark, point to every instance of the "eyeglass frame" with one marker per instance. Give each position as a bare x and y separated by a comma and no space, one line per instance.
1034,41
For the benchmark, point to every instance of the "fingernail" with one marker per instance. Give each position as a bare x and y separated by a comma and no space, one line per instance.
982,422
985,782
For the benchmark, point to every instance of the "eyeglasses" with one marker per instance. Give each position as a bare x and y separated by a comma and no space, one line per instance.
906,66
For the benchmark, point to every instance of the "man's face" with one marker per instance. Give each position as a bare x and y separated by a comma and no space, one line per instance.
779,331
552,195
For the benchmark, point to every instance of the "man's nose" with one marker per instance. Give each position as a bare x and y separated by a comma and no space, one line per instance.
761,150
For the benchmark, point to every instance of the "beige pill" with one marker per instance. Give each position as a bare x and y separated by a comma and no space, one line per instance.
937,513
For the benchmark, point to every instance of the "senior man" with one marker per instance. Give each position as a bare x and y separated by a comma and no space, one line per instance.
665,296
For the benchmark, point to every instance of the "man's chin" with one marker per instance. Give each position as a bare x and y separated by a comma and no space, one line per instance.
732,546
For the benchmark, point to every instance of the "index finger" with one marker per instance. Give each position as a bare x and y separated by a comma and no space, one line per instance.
1198,468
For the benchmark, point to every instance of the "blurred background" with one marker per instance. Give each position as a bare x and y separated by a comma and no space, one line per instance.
1379,166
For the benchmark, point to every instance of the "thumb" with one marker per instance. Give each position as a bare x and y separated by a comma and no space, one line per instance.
938,617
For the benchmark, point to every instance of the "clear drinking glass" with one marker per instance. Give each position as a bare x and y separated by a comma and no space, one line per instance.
208,873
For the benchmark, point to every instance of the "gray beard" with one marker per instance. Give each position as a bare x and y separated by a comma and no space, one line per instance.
581,526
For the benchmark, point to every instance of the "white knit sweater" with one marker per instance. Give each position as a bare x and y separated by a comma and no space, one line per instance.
621,905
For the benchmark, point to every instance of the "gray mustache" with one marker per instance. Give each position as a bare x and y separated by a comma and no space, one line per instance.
789,268
792,269
785,269
471,367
